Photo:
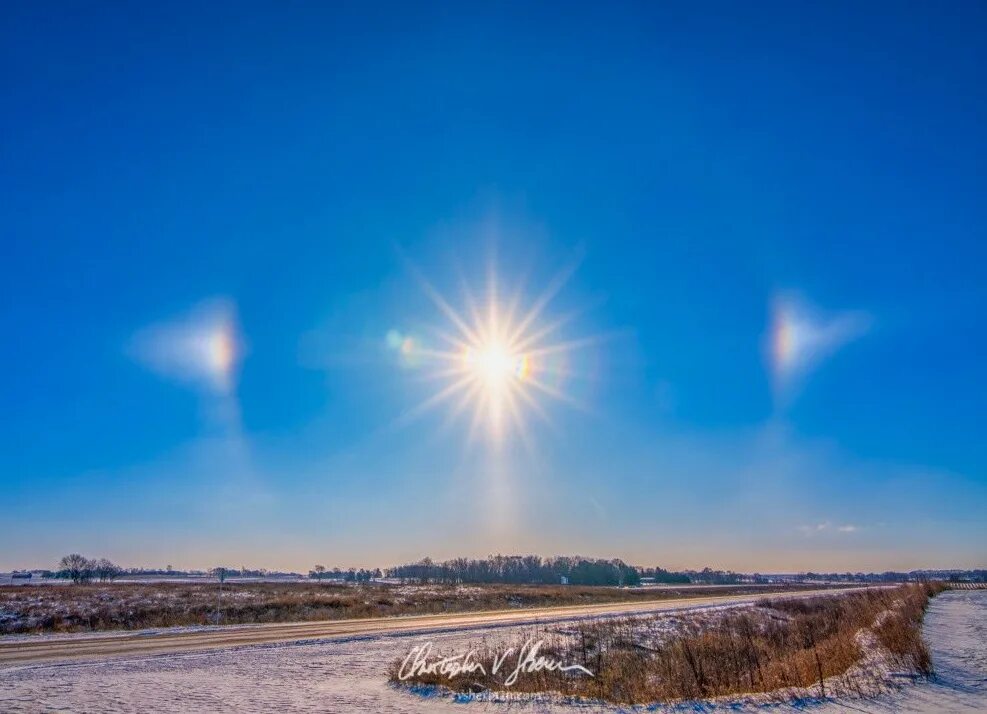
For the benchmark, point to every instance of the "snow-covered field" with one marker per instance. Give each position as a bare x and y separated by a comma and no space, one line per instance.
351,676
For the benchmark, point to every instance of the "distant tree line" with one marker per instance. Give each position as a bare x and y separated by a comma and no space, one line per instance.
890,576
319,572
509,569
708,576
667,577
229,572
519,569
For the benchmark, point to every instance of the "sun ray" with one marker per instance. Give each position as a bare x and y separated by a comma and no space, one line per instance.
533,404
575,344
458,343
471,305
514,304
517,419
554,286
558,394
435,400
444,306
468,397
526,341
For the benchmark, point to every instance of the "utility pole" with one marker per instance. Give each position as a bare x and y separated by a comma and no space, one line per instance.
221,576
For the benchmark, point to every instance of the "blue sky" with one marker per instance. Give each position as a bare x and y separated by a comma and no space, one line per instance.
775,218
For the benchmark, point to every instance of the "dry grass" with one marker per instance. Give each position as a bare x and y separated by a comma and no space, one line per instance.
71,608
781,644
900,630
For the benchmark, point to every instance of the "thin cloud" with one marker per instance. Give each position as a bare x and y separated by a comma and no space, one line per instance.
827,527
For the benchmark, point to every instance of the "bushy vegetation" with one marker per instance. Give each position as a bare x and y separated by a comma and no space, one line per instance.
779,645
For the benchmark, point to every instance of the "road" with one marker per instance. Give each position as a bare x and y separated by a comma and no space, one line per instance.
145,643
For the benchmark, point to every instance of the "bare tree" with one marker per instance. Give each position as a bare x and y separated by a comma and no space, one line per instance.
320,570
77,567
106,570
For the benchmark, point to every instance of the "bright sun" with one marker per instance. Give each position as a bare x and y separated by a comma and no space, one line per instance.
495,365
496,360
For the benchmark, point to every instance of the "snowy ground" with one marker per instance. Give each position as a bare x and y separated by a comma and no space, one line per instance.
351,676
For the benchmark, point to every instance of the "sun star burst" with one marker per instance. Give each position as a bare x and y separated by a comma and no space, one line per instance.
497,363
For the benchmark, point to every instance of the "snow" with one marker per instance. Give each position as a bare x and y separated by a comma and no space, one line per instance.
351,676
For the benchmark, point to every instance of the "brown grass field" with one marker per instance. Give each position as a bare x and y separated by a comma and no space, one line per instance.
127,606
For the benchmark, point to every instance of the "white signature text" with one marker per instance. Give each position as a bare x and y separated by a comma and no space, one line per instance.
528,660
